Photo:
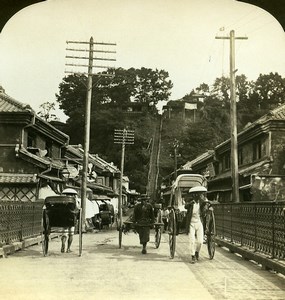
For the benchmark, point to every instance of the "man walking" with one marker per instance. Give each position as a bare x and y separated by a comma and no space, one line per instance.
143,218
195,205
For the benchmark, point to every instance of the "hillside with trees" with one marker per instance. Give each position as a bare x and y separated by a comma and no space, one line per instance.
148,87
109,95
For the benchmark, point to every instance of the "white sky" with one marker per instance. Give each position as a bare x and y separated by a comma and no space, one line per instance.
175,35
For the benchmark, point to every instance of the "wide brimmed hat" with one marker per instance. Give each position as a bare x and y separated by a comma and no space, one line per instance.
144,197
198,189
69,191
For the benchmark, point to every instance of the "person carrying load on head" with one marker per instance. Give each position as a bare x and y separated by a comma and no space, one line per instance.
196,205
68,232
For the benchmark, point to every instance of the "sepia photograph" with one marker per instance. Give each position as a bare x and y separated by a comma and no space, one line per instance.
142,149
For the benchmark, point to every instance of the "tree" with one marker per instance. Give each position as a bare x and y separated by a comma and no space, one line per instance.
152,86
72,95
270,90
132,85
259,97
198,138
143,85
45,112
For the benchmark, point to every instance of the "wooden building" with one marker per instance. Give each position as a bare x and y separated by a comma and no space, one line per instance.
181,110
261,162
36,159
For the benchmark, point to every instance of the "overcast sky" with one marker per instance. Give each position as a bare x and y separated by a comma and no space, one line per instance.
175,35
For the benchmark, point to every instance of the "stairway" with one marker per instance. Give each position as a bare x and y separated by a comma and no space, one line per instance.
154,161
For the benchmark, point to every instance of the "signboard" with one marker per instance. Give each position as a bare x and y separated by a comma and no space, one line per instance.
190,106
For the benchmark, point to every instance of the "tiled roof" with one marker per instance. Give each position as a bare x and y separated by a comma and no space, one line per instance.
8,104
99,162
275,114
17,178
44,160
200,158
278,113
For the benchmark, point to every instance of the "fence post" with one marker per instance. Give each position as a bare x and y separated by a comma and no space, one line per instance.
255,228
273,205
241,218
22,221
231,212
9,225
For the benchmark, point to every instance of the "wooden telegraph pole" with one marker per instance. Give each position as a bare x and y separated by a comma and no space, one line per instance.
234,148
123,137
90,75
175,147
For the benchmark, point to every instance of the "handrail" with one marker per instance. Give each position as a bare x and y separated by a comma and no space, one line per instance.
19,221
259,226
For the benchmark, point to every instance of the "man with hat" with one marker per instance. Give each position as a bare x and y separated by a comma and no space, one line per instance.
196,205
143,218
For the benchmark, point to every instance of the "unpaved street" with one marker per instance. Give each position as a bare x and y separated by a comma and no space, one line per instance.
106,272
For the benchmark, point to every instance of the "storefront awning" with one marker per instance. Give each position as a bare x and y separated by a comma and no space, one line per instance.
51,178
219,190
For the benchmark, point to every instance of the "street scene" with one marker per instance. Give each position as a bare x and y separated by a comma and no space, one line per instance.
142,150
105,271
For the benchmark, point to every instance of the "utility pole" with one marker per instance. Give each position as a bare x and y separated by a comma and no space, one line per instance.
176,145
90,75
123,137
233,113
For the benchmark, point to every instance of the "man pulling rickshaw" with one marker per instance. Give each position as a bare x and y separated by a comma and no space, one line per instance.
188,193
143,219
197,206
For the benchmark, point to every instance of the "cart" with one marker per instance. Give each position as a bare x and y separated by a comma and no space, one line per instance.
128,225
60,212
179,189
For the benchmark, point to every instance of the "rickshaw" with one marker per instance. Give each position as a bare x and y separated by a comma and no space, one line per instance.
128,225
58,212
179,189
103,211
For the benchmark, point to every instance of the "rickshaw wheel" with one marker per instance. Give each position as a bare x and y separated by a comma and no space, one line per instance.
45,233
157,236
172,232
211,235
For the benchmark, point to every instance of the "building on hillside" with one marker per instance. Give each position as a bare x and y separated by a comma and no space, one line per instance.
261,162
36,159
180,109
134,108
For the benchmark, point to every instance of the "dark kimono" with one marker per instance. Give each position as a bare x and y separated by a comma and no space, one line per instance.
143,218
